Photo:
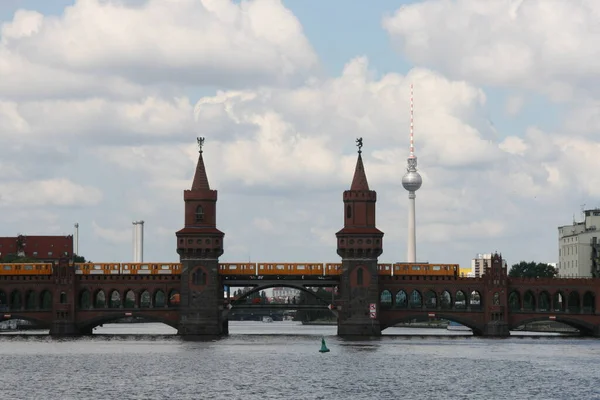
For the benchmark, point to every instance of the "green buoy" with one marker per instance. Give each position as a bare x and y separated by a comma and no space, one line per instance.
324,348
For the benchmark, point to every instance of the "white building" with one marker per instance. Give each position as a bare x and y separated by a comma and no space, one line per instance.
578,246
283,293
479,265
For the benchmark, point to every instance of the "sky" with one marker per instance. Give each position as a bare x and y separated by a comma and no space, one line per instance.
101,102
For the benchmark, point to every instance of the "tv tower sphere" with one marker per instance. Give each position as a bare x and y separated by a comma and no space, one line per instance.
412,180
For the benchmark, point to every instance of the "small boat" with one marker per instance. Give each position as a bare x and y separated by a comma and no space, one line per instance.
323,348
455,326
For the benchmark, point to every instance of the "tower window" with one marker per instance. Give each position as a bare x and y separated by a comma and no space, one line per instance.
199,278
359,276
199,214
348,211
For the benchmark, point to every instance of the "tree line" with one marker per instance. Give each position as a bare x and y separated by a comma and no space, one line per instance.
532,269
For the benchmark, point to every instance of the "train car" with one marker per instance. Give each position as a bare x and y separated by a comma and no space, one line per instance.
384,269
410,269
26,269
272,269
304,269
97,269
333,269
238,269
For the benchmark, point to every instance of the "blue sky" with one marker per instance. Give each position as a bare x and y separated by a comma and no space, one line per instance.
122,141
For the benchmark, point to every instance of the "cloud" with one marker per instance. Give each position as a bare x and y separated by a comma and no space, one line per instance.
547,46
52,192
114,236
164,41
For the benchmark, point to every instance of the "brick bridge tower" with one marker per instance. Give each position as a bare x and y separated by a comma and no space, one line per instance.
495,298
199,245
359,244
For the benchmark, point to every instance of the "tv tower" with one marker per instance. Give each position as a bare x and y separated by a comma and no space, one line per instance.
412,182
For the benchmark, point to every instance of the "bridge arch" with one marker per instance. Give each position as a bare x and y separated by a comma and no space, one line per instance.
529,301
385,299
114,299
431,299
281,283
90,324
46,300
589,302
129,299
31,302
42,323
584,327
573,301
514,301
145,299
475,299
558,301
85,300
16,300
401,299
544,302
99,299
159,299
446,300
477,330
460,300
416,299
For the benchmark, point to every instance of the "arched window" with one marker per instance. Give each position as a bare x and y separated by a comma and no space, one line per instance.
359,276
199,278
63,297
199,214
348,211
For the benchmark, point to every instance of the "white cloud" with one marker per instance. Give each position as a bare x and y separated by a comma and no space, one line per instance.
114,236
184,41
264,225
52,192
547,45
514,105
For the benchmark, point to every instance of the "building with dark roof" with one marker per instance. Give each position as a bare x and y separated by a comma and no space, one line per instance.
43,248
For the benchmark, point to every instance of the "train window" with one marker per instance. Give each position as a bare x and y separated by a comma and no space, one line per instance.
28,267
280,266
436,268
416,268
233,266
164,266
7,267
300,267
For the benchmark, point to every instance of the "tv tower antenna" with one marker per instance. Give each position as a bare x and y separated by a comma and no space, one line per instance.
411,181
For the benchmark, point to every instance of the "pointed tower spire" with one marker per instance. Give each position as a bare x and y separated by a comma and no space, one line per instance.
360,244
200,179
359,182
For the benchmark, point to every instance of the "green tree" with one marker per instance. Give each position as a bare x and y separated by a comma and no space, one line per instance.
532,270
15,259
79,259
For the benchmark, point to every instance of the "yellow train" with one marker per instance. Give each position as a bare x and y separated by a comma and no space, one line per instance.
127,269
249,269
26,269
414,269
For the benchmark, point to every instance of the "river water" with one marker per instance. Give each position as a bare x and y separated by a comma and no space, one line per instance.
280,360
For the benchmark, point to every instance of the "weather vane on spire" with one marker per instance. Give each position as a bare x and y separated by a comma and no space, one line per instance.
359,144
200,143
